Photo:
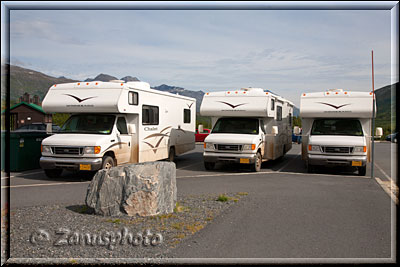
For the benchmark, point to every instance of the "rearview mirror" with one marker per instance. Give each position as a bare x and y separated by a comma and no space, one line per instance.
379,132
274,130
296,130
49,128
132,128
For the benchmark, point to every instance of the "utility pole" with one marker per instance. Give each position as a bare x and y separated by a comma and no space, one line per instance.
373,118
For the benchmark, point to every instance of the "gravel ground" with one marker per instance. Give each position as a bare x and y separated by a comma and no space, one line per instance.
68,231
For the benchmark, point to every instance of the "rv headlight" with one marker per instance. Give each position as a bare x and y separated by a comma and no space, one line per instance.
249,147
209,146
92,150
360,149
46,149
313,148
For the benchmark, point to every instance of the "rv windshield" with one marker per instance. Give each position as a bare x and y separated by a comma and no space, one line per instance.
236,126
89,124
337,127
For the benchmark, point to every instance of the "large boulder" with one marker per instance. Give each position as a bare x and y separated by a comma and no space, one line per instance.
145,189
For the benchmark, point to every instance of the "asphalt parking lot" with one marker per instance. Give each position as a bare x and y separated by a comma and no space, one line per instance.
288,215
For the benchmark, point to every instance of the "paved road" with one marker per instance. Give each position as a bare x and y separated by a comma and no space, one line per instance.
288,213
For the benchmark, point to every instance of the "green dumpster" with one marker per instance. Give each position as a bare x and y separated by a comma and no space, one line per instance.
25,150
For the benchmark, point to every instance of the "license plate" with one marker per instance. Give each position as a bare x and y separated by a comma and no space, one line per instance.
85,167
244,161
356,163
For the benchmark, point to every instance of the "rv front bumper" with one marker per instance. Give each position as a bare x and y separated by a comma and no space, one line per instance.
229,157
337,160
70,163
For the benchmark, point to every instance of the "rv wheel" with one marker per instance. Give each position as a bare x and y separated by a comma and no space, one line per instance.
310,168
256,167
171,154
209,165
362,170
108,162
53,173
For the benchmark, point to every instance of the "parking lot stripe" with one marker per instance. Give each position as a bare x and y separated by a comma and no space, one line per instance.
384,173
390,188
290,161
32,185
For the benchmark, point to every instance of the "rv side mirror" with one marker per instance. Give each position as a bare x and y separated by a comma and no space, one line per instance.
379,132
200,128
274,130
296,130
132,128
49,128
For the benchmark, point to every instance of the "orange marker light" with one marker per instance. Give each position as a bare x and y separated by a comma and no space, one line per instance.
266,93
87,83
370,93
207,93
122,84
79,83
327,93
55,85
97,149
304,94
204,145
97,83
244,92
336,92
229,92
365,149
253,146
309,147
236,92
345,93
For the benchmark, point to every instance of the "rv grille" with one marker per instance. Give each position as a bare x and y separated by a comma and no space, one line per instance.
68,150
229,147
337,149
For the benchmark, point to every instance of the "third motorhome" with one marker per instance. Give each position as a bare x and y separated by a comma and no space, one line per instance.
249,126
336,128
113,123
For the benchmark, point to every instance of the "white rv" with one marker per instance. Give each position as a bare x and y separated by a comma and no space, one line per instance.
113,123
249,126
336,128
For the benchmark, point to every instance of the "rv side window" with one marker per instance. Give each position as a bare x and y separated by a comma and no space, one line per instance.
278,113
272,104
290,119
133,98
186,115
121,125
150,115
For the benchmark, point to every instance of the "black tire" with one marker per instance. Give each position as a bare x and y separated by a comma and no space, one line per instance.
362,170
256,166
310,168
108,162
171,154
209,165
53,173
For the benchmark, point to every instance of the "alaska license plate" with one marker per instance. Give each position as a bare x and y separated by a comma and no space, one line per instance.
85,167
356,163
244,161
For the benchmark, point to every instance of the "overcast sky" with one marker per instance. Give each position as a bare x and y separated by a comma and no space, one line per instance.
285,51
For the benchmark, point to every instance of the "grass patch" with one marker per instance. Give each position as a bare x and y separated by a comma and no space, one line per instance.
242,193
222,198
180,208
116,221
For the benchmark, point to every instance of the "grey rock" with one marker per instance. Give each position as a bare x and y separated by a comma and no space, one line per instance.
145,189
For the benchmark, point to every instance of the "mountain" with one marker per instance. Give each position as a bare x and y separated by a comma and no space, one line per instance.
102,77
130,79
33,82
198,95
